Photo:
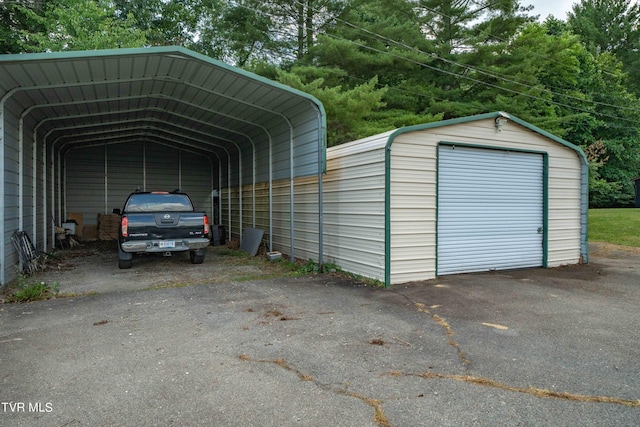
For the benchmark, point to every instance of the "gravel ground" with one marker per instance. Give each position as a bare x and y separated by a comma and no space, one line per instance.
93,268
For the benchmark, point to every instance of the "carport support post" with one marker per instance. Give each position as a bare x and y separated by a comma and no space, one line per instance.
270,194
2,193
292,196
320,198
229,194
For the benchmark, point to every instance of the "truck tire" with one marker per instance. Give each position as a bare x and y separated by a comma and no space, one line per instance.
125,260
195,257
124,263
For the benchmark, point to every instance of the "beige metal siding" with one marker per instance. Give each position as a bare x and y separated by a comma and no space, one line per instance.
305,208
413,208
354,201
354,210
413,195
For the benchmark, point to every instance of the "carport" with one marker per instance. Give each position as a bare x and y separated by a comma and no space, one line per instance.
81,130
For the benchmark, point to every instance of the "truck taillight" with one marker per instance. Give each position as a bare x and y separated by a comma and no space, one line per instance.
124,225
206,225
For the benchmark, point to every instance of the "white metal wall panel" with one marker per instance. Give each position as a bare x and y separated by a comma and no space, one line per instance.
490,209
162,168
353,209
125,172
85,183
99,179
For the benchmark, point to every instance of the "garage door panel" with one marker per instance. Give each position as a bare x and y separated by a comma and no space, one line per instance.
490,209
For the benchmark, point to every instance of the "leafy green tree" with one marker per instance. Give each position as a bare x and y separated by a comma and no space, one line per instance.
610,26
611,129
239,34
346,109
382,40
79,25
14,19
252,31
307,17
165,22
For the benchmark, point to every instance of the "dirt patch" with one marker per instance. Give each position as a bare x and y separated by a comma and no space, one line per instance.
607,250
93,268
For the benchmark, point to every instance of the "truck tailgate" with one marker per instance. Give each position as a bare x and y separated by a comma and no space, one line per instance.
165,225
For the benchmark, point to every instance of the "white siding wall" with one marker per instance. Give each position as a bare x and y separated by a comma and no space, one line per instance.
413,189
305,208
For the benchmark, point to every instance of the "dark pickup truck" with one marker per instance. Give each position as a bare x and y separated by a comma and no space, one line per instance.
162,222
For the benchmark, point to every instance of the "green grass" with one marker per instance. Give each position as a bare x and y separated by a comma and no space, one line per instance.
32,290
617,226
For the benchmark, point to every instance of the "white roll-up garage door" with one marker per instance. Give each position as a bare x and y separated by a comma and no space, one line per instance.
490,209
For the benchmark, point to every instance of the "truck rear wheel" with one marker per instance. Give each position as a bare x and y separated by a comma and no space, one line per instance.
125,260
124,263
195,257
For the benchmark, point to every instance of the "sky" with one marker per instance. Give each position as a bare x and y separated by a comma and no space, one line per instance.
544,8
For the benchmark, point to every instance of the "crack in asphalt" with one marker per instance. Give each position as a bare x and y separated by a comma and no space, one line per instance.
533,391
379,417
537,392
450,334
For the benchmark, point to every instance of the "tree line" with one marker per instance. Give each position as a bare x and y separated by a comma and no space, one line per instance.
382,64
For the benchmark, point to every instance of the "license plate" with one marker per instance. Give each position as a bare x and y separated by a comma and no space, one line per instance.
167,244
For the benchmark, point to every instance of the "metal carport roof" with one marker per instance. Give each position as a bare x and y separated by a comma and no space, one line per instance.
254,129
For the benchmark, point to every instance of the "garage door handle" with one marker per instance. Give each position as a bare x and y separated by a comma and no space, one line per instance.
539,230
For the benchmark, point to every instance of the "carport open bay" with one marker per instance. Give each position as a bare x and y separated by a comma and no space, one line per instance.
527,347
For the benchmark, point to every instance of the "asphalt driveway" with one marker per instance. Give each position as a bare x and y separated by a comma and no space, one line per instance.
520,348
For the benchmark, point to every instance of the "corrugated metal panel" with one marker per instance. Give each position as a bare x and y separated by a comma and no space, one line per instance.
412,210
196,174
121,168
354,232
10,208
85,184
490,210
353,210
125,173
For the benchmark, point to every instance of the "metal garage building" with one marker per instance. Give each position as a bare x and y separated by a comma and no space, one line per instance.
481,193
80,130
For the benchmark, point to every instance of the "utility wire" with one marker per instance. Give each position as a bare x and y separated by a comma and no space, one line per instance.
461,76
481,71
